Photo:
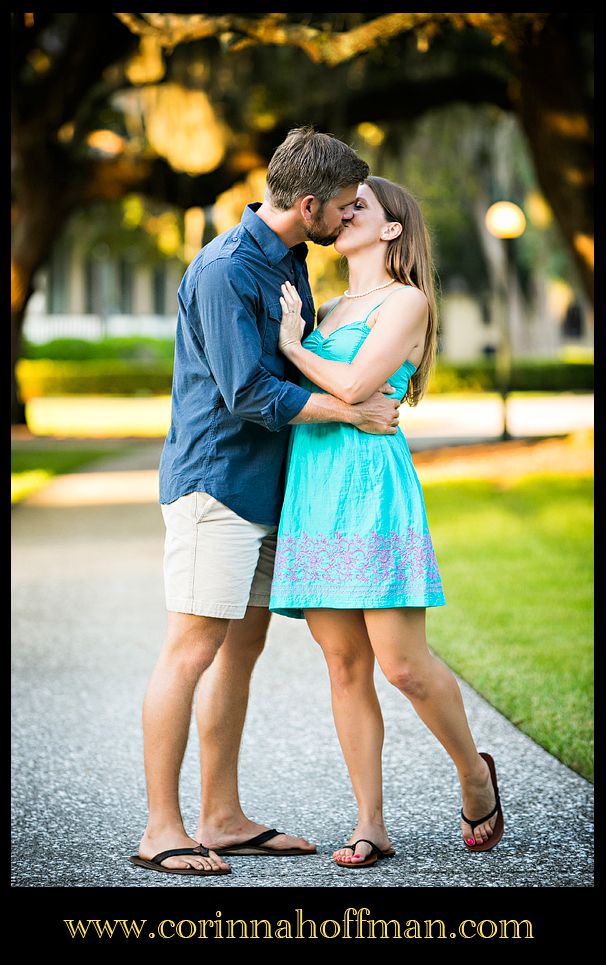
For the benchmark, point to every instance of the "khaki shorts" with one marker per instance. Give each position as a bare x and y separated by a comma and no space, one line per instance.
215,563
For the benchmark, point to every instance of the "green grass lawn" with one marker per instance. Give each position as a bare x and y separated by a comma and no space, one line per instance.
517,568
32,467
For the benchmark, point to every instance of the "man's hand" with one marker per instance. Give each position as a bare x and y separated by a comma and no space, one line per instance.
378,415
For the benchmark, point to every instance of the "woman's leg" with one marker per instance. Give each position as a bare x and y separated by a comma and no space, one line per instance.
400,645
357,714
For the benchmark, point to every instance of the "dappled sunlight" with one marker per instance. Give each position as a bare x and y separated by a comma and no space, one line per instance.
538,211
107,142
568,124
438,417
99,416
508,462
181,126
134,486
23,484
584,246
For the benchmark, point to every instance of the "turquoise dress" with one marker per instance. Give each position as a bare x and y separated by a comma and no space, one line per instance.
353,532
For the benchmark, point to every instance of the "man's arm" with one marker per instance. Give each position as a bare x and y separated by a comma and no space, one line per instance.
379,415
226,298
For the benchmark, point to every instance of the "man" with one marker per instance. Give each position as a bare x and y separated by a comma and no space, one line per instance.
221,489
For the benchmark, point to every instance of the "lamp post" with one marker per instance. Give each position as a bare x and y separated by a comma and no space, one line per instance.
505,220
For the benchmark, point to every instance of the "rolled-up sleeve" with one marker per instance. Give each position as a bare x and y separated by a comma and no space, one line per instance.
228,303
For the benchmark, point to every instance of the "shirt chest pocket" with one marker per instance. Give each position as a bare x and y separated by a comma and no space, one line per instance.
272,328
273,360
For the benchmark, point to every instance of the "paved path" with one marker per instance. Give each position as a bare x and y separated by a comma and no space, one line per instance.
88,620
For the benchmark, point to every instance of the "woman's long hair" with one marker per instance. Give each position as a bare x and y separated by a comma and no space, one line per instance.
409,261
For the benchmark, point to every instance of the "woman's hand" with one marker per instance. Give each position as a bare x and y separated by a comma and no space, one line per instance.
292,325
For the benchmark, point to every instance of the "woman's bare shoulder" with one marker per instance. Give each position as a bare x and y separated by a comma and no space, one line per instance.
326,307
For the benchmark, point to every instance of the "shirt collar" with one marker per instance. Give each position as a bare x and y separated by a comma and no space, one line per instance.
270,244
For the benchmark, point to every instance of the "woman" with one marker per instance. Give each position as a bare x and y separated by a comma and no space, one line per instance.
354,554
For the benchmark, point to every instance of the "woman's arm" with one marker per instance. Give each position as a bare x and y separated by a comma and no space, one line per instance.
400,329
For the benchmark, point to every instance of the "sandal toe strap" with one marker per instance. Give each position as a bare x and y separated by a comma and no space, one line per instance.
474,824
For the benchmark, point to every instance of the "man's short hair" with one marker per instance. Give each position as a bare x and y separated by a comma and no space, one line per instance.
309,162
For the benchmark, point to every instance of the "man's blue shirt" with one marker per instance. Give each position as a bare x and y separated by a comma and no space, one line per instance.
234,393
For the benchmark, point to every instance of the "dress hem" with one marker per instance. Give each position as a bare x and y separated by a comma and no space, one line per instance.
297,612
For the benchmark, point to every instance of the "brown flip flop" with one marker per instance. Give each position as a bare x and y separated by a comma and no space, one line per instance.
497,831
154,863
375,855
256,846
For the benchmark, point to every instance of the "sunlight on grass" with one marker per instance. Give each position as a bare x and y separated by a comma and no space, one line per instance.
32,467
25,483
99,417
517,567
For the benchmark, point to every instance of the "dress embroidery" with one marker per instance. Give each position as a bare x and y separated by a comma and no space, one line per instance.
345,562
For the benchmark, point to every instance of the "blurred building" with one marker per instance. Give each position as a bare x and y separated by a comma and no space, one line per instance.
89,298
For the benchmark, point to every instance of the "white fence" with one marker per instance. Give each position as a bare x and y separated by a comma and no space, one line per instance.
43,328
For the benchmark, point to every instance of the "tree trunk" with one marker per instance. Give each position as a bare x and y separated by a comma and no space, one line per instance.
37,221
17,406
556,115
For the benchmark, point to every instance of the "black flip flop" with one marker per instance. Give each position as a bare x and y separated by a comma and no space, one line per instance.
256,846
375,855
497,831
154,863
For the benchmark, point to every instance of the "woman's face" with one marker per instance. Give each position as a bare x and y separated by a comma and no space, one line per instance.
365,227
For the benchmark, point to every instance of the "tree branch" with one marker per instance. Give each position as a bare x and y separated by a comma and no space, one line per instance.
323,46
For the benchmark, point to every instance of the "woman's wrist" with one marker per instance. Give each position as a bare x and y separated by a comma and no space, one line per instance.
292,349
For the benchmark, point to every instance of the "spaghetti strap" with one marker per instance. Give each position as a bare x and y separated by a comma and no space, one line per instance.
380,303
331,310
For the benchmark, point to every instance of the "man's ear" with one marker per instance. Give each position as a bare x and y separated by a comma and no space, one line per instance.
308,207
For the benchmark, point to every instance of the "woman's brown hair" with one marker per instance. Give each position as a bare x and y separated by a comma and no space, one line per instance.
409,260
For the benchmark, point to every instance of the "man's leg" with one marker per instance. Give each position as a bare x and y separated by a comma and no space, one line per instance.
190,648
220,712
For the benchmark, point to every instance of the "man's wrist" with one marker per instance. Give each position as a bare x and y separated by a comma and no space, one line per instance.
354,416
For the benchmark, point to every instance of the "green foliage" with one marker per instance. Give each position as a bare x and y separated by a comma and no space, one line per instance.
516,563
526,376
56,460
135,366
131,228
41,377
135,347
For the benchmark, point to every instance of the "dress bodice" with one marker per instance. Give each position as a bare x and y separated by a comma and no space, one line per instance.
343,345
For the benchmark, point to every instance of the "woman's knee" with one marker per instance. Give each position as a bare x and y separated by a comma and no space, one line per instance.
408,678
348,666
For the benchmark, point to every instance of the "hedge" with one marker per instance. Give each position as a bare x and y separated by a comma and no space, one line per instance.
527,375
131,347
43,377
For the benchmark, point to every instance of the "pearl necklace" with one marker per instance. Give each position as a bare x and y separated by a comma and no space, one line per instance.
347,294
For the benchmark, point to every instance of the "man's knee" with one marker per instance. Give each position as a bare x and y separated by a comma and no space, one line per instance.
193,640
246,638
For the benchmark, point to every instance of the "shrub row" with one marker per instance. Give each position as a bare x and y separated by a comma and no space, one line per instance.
526,376
42,377
135,347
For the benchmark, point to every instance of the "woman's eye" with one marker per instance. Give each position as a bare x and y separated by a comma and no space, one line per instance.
358,206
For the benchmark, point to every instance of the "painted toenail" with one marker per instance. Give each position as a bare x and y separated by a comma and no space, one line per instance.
470,841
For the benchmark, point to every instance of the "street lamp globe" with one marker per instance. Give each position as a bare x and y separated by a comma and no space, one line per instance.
505,220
